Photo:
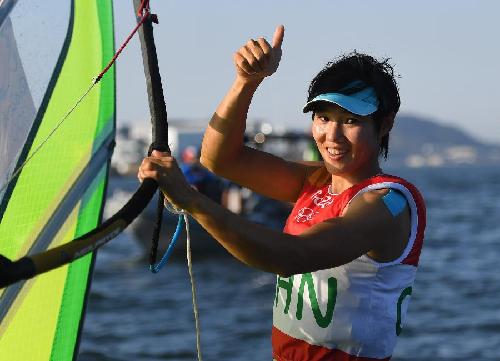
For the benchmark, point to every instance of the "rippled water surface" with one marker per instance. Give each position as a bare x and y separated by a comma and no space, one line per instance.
454,313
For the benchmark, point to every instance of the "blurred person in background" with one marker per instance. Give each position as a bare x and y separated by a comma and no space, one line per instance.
347,257
200,177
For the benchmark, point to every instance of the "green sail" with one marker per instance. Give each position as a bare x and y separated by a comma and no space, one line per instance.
59,194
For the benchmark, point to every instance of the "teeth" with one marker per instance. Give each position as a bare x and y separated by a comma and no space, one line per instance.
335,151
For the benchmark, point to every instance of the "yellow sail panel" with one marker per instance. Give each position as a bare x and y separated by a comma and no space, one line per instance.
36,310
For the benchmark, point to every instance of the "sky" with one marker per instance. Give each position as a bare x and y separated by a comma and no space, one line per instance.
445,52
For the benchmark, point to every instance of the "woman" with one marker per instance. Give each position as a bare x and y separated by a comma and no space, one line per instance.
347,258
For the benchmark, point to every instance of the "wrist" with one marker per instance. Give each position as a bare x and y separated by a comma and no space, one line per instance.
184,197
193,201
246,84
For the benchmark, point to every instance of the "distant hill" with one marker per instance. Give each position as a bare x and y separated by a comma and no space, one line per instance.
416,142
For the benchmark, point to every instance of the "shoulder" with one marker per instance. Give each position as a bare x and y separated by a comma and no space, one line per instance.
367,202
379,201
374,195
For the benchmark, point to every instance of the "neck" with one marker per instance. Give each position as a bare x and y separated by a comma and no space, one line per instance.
341,182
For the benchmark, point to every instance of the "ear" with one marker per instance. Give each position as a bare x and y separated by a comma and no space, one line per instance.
386,126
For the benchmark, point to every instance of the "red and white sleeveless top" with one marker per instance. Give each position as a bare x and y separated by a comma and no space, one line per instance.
354,311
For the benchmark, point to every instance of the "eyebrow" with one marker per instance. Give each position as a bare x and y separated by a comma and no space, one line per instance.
343,112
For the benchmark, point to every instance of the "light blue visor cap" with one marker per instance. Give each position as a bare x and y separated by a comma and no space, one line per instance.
362,103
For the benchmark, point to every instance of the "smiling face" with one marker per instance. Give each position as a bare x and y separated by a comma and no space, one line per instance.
348,143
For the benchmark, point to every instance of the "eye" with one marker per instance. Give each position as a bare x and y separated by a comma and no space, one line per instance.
321,117
351,121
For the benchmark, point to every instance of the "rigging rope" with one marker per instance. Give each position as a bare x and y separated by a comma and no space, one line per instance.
155,268
193,288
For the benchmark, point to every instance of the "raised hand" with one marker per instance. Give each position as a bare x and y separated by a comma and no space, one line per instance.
257,59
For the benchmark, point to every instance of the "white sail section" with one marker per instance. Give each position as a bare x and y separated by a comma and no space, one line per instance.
15,103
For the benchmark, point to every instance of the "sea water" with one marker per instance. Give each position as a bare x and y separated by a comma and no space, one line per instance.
454,312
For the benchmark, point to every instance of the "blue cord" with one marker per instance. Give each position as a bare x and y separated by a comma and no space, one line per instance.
155,268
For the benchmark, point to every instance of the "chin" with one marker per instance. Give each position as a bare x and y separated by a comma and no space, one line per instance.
336,169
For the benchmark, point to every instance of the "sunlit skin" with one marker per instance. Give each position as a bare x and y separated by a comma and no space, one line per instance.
348,143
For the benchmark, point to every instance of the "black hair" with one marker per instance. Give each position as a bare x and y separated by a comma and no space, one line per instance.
378,74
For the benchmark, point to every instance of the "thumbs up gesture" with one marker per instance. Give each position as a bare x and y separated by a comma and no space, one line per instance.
257,59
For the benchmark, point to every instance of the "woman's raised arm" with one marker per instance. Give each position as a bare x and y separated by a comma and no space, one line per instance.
223,151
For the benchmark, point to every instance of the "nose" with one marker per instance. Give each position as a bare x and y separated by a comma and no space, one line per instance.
334,132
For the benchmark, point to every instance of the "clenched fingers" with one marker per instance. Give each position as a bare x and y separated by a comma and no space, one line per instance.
245,60
253,57
242,64
155,167
148,169
258,53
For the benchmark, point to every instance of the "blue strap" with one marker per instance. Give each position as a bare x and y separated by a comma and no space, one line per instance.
395,202
156,267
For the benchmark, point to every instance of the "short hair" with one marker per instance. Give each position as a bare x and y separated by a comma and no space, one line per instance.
378,74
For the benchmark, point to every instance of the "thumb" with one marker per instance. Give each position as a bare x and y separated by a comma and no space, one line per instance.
279,33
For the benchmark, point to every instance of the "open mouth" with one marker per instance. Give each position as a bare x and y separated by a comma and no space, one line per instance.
336,152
